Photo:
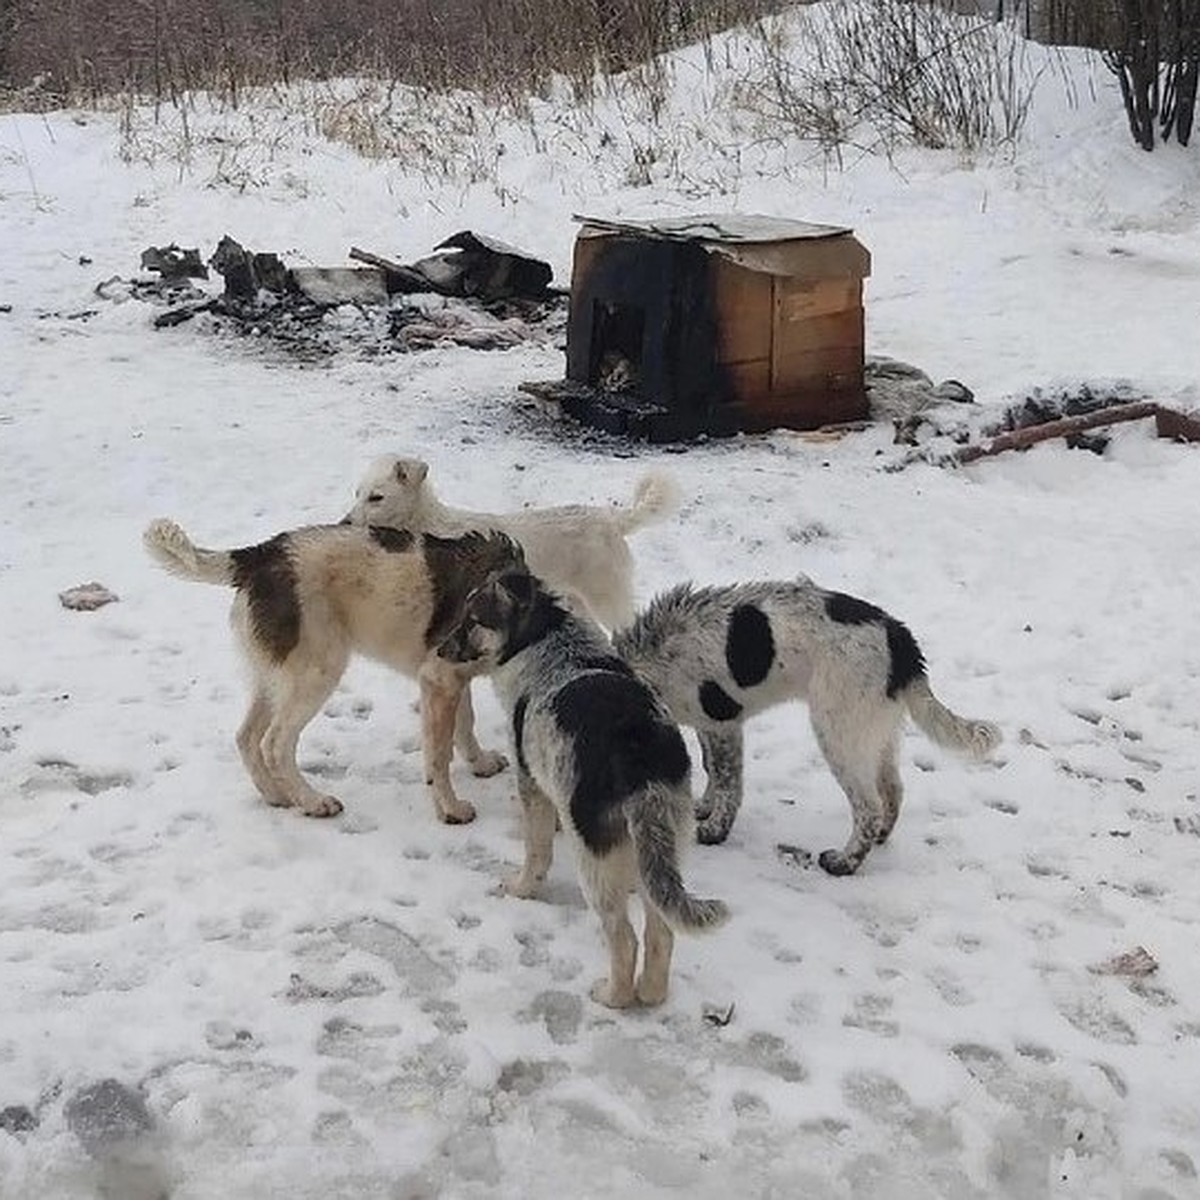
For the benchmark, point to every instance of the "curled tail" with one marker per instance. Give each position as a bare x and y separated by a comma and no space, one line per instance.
656,496
654,822
946,728
174,551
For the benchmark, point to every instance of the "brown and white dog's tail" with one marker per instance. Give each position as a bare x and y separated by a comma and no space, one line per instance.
653,826
175,552
946,728
655,497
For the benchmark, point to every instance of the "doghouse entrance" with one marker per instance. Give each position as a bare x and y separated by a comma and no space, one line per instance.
618,338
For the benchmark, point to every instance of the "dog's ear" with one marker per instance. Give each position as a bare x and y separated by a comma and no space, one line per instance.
488,604
518,553
519,587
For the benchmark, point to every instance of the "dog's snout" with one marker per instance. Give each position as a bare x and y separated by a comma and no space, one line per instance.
456,647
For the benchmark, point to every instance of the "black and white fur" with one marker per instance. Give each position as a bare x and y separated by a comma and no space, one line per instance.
720,655
595,748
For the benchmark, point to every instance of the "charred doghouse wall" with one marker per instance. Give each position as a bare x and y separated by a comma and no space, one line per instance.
714,325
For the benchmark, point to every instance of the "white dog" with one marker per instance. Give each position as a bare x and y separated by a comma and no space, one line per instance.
578,549
719,655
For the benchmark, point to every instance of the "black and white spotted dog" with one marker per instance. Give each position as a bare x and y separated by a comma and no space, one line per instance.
719,655
597,749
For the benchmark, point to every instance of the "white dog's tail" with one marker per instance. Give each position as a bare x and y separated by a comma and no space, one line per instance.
946,728
174,551
656,496
652,824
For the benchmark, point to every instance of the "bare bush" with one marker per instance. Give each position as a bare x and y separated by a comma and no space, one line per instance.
893,72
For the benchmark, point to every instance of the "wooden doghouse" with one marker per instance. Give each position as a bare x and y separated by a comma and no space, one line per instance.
714,324
725,322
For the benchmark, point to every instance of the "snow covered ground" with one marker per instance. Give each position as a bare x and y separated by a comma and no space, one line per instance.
345,1008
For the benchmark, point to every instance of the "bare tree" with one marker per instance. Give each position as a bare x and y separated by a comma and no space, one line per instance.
1153,48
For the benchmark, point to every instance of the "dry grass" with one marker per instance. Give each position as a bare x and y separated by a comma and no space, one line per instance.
443,86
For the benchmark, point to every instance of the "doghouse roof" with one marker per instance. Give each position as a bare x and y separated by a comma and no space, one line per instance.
772,245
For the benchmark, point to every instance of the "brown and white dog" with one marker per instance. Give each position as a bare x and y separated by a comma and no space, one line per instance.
576,549
307,599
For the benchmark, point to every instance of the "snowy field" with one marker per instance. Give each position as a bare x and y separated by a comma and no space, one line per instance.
346,1008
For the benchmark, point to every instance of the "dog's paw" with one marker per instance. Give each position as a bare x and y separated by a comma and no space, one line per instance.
322,806
603,992
651,994
519,886
456,812
487,763
834,862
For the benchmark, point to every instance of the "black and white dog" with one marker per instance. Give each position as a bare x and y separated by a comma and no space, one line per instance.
719,655
596,747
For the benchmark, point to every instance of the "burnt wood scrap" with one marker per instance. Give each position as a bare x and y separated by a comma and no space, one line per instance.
473,265
622,412
1078,418
502,296
247,273
170,271
467,265
1040,408
397,277
173,262
1176,425
1068,427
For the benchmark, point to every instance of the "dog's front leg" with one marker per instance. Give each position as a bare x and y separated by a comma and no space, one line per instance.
721,752
538,822
441,689
483,763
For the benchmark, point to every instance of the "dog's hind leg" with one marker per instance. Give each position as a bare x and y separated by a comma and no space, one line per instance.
249,744
610,595
855,767
296,697
483,763
442,687
657,944
538,822
891,789
607,883
721,753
